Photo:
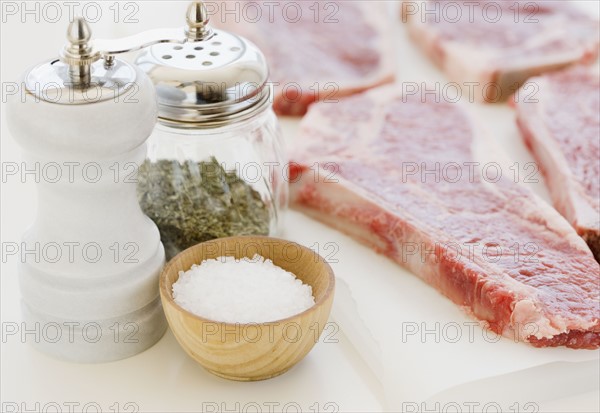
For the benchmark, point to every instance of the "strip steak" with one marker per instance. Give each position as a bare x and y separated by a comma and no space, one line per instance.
560,125
316,50
498,44
365,166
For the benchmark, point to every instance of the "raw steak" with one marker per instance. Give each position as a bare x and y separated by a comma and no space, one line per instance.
498,44
385,169
560,124
316,50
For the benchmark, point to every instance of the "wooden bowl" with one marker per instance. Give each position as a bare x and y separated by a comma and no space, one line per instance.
249,352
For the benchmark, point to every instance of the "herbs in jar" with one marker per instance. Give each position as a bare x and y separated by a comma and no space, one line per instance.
193,202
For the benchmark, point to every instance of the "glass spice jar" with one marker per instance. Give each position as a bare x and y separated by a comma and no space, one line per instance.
216,163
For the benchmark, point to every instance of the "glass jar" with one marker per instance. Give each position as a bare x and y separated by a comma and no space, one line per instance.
201,184
216,165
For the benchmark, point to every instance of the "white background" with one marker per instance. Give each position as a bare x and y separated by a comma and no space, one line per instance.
164,378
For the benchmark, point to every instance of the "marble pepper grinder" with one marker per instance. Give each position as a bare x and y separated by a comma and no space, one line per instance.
91,291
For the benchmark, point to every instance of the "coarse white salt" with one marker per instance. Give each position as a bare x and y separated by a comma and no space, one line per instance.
241,291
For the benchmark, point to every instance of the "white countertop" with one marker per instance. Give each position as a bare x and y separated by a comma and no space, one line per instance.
333,377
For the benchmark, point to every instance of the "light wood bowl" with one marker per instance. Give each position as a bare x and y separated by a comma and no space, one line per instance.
249,352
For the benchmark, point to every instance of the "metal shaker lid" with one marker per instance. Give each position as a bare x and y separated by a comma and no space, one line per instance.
213,79
79,76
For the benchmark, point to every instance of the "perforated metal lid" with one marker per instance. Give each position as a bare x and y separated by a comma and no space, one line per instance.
216,78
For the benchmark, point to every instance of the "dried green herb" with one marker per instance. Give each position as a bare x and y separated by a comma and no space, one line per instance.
195,202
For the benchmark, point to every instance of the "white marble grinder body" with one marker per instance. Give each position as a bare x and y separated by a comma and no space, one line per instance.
86,306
